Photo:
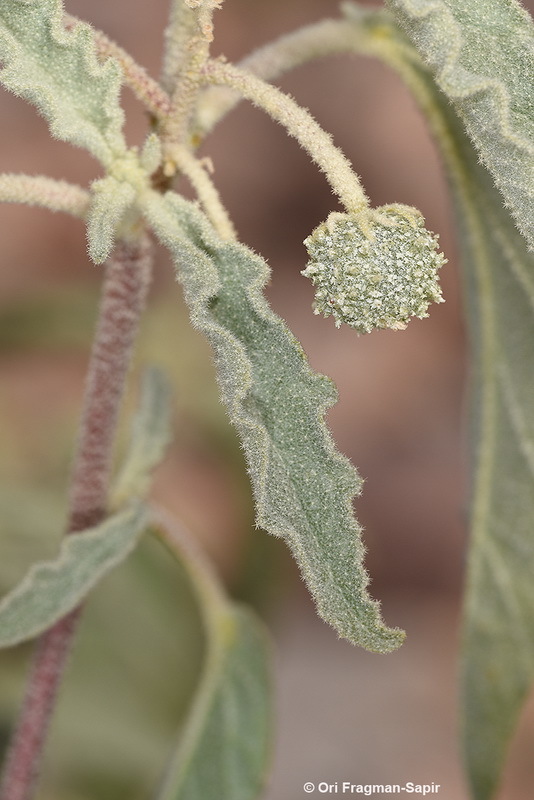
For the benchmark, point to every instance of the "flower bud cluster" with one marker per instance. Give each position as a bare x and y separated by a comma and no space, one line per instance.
376,269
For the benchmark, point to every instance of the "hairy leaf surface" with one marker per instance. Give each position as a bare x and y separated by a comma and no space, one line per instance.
498,648
53,588
110,200
498,645
57,70
303,487
151,433
224,749
225,744
482,57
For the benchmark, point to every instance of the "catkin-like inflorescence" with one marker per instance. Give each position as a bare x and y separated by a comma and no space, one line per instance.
374,270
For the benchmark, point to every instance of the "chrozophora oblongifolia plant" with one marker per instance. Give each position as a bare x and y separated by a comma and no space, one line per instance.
372,268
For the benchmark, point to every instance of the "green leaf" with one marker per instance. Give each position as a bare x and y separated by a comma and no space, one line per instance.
498,638
131,684
151,433
110,200
498,646
225,746
303,487
482,58
57,70
113,199
53,588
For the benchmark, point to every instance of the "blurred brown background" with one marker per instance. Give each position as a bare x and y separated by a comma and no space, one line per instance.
343,714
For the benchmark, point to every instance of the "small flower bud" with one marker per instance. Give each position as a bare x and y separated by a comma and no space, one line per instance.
374,269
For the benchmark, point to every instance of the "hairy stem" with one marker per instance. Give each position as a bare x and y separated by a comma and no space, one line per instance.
46,192
188,40
329,37
181,27
365,34
324,38
300,124
145,88
198,176
123,298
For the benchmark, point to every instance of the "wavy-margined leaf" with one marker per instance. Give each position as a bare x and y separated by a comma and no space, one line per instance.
53,588
151,433
303,487
58,71
482,56
224,749
498,646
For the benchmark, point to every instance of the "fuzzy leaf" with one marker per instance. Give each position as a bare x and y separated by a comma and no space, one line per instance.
303,487
224,748
110,199
498,640
53,588
482,57
498,646
225,744
151,433
57,70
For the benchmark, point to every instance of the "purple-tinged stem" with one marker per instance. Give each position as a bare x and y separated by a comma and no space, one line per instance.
123,298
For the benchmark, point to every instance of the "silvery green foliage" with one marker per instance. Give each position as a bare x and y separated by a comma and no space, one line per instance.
57,70
150,157
482,56
374,277
225,745
303,487
113,200
110,200
498,640
151,434
498,649
52,589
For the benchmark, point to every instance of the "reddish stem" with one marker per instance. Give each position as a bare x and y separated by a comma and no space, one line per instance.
123,299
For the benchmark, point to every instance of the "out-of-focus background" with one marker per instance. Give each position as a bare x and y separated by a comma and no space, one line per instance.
343,714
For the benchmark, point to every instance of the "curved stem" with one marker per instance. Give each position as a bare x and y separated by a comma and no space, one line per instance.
145,88
329,37
46,192
206,191
321,39
300,124
123,299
